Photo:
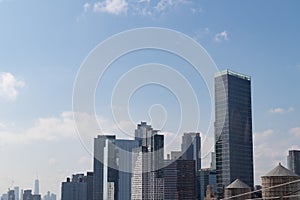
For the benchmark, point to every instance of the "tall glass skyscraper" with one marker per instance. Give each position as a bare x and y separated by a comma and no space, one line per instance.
148,158
293,161
191,148
233,129
124,157
105,179
112,168
36,186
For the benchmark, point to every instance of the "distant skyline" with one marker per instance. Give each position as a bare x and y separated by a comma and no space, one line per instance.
43,44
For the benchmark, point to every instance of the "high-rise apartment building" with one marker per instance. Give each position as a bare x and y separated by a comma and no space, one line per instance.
293,161
147,163
233,129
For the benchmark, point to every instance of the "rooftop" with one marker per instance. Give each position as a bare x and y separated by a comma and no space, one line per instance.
232,73
237,184
280,171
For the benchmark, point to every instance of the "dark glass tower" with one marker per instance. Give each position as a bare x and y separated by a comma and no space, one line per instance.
105,177
233,129
179,179
293,161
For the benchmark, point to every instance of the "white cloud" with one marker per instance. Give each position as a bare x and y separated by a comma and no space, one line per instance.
115,7
263,135
222,36
2,126
295,131
201,33
149,8
281,110
197,10
44,129
86,7
9,86
62,127
137,7
265,155
271,147
163,5
144,1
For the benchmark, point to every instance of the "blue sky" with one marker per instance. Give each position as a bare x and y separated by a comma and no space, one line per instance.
43,44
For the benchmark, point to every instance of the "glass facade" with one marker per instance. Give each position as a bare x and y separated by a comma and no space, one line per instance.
233,129
124,156
105,167
191,148
179,180
147,178
75,189
293,161
206,177
112,167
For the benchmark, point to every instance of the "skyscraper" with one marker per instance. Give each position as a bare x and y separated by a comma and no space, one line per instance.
27,195
293,161
148,158
75,189
179,179
89,185
233,129
191,148
105,179
36,197
36,186
17,195
21,194
4,197
205,177
49,196
11,195
125,167
112,167
213,160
